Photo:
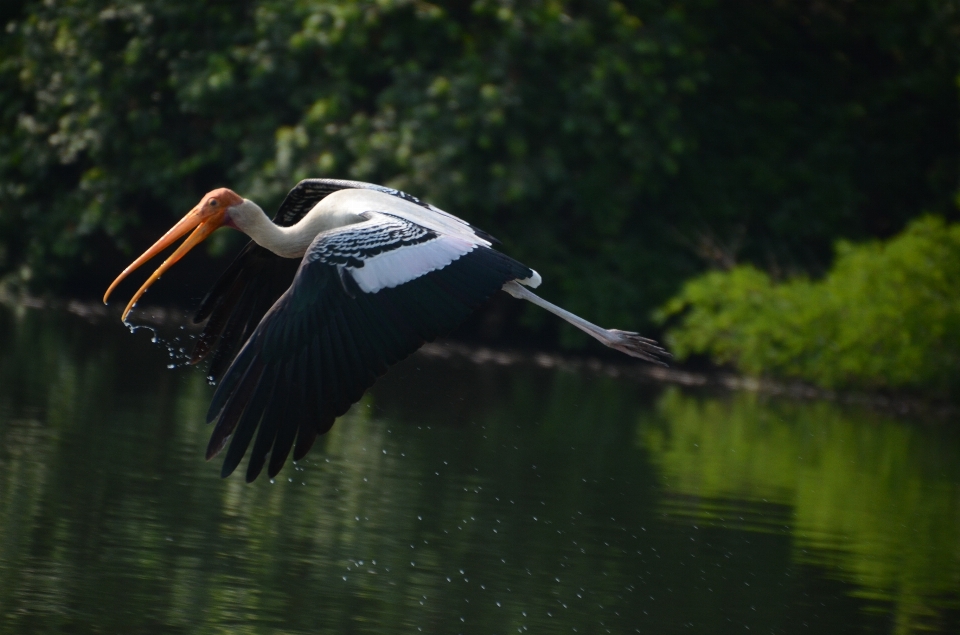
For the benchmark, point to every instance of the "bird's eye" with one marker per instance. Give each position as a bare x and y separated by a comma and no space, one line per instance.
213,202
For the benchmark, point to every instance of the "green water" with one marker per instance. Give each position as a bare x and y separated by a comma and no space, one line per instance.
461,499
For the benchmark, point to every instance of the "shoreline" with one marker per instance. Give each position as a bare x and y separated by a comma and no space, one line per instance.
446,348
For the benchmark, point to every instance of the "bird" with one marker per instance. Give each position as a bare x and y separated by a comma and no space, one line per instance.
348,279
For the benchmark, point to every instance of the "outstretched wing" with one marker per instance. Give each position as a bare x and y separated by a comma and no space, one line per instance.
257,277
364,297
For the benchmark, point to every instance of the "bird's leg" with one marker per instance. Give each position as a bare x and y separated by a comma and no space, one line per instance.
624,341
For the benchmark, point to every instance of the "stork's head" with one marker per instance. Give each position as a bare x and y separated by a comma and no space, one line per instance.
209,214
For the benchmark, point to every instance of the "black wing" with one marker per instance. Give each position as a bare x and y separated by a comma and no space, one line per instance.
326,340
257,277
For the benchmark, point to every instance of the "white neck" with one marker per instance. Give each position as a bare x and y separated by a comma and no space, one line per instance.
286,242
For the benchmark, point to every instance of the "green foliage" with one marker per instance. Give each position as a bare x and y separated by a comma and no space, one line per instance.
866,497
617,147
886,315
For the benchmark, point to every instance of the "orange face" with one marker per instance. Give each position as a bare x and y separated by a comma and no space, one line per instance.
216,202
208,215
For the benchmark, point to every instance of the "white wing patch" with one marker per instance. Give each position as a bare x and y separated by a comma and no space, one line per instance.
386,251
409,262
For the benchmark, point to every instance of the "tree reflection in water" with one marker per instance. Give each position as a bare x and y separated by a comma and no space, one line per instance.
870,499
459,498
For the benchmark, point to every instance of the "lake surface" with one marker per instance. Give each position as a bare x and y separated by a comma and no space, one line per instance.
461,498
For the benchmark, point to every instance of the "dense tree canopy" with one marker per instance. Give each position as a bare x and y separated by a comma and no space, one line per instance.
617,147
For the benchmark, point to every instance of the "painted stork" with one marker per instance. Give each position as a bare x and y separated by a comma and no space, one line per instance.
348,279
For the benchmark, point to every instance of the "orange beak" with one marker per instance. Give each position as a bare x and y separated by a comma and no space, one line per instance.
203,217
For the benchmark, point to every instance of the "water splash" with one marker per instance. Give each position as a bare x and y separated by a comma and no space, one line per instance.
175,347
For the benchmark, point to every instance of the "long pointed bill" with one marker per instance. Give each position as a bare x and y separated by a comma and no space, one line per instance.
205,223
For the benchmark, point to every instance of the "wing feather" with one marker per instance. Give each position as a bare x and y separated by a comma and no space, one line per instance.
262,395
257,278
320,347
274,417
301,410
306,436
229,416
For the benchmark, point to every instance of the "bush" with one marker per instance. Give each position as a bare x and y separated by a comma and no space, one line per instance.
887,315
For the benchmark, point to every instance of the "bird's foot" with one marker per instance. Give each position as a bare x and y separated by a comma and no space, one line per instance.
635,345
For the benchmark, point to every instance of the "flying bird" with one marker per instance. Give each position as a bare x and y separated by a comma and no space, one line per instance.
348,279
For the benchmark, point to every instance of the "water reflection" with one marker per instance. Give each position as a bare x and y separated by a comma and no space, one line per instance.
871,500
457,498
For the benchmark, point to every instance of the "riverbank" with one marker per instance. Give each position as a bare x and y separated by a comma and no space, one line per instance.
447,348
